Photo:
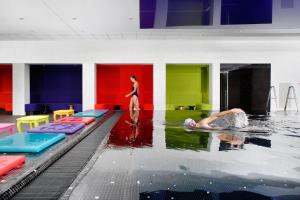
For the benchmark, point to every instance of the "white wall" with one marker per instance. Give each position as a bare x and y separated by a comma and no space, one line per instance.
88,86
21,92
283,53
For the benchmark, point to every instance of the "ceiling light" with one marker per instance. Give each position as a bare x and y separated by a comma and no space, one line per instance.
74,18
21,18
130,18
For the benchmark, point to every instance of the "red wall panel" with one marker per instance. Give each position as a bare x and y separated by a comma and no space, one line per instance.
5,86
113,83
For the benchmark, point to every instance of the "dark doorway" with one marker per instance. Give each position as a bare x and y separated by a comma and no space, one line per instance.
246,86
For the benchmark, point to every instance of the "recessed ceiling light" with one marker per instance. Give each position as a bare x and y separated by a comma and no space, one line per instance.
130,18
21,18
74,18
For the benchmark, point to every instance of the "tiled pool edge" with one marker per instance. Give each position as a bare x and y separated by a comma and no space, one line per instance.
89,165
10,189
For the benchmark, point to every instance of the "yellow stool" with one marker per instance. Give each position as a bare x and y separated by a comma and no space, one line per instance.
62,112
33,121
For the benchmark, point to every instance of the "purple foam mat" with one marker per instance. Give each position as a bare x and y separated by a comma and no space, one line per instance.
57,128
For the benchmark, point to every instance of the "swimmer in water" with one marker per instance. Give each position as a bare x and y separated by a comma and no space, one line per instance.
231,118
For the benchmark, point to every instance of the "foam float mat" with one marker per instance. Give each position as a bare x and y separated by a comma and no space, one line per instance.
91,113
75,120
8,163
57,128
29,142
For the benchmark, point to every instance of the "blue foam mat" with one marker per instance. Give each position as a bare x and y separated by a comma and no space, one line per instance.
91,113
29,142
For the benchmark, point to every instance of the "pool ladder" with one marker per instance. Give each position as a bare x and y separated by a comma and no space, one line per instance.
272,97
291,89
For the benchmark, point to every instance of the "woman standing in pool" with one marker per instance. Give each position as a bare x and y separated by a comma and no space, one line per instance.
134,101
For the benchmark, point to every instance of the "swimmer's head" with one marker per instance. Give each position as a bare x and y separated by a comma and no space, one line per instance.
190,123
133,78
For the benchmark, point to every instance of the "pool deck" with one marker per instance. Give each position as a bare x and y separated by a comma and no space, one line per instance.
35,164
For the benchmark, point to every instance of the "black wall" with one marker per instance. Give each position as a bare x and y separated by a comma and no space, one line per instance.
248,88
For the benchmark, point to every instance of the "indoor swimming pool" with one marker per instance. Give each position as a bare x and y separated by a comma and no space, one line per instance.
149,155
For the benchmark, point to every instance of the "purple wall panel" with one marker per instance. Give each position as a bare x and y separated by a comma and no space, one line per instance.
56,84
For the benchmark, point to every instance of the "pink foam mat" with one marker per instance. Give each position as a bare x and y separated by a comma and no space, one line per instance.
8,163
67,120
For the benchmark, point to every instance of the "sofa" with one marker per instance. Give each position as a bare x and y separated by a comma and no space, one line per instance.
37,108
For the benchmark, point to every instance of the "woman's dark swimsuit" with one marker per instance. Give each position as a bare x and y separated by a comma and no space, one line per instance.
135,93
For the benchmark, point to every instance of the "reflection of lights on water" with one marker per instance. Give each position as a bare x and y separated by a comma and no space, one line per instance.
261,180
138,182
208,192
148,197
112,182
184,174
245,187
285,185
210,182
96,197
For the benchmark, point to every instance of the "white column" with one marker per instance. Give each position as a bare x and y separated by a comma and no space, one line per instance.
21,88
217,13
161,14
215,85
159,86
88,86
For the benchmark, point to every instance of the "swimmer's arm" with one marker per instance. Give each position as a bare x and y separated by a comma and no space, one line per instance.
220,114
232,111
204,123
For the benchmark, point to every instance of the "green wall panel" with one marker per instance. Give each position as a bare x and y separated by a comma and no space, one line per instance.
187,84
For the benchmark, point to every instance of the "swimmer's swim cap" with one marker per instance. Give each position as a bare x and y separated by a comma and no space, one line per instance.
188,121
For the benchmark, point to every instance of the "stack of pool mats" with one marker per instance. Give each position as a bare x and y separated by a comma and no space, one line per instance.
39,138
91,113
8,163
58,128
28,142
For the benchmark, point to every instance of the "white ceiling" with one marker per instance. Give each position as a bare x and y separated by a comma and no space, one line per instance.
95,19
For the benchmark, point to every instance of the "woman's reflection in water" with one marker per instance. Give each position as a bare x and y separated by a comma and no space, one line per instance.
230,142
134,126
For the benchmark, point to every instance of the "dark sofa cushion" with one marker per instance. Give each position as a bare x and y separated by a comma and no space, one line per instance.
57,106
33,107
78,107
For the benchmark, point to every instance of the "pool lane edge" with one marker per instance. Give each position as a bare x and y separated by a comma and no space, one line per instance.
35,170
66,195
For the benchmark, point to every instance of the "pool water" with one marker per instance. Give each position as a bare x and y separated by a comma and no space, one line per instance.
154,157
